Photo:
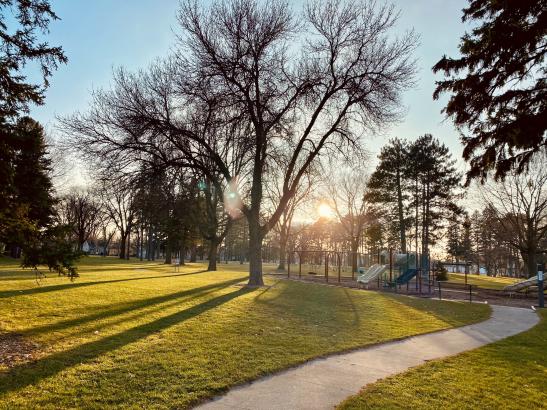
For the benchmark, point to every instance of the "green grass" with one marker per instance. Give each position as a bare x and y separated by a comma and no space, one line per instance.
483,281
139,335
509,374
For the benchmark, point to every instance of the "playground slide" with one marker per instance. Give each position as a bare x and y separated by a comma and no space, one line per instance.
406,277
521,285
365,273
371,274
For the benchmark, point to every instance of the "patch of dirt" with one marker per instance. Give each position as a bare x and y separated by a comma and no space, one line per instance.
15,349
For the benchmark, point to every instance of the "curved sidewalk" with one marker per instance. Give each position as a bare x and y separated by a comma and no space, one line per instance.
324,383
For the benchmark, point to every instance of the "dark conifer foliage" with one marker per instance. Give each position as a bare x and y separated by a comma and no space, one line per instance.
388,185
497,87
419,184
26,201
19,45
26,191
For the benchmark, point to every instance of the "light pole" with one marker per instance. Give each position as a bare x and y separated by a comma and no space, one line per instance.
541,297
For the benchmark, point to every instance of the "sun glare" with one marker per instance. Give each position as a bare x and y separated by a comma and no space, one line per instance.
324,211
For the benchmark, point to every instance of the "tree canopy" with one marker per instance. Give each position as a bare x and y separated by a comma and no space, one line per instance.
497,88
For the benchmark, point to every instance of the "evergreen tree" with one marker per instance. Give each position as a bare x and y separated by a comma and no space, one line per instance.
26,194
497,86
388,185
435,182
19,46
27,198
26,216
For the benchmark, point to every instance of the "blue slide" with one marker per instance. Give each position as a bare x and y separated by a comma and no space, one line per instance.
406,277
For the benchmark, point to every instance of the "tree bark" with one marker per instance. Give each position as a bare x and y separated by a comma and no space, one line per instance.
531,262
282,250
128,241
400,209
168,256
141,243
354,247
193,254
149,249
213,250
123,238
182,250
255,253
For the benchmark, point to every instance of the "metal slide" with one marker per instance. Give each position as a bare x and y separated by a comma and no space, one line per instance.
521,285
371,274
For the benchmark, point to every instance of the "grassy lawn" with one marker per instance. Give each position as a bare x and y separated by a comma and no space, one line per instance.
139,335
509,374
483,281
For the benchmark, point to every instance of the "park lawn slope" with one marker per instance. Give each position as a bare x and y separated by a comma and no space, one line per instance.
483,281
137,334
509,374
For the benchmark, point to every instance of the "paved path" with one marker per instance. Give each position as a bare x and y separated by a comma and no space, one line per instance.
324,383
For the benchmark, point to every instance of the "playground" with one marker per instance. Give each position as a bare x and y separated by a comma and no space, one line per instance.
409,274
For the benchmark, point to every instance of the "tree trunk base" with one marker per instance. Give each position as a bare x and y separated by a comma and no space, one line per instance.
255,282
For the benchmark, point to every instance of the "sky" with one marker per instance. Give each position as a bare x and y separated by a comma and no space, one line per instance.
100,35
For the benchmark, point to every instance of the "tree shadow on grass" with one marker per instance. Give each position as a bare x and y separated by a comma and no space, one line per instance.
133,306
25,375
442,310
73,285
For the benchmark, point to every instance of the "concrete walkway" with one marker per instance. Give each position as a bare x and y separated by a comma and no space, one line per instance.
324,383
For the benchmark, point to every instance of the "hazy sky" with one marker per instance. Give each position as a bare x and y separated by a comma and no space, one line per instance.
98,35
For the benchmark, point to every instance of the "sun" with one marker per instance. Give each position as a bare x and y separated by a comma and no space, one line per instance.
324,210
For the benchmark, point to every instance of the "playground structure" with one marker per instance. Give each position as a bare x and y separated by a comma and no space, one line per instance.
385,269
408,273
369,275
524,285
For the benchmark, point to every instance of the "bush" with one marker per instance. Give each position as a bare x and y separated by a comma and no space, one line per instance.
442,273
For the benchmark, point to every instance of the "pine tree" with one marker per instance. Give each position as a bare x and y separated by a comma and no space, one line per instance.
435,182
389,186
26,195
19,46
497,86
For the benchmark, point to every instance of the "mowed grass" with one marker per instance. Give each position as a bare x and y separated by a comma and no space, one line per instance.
139,335
483,281
509,374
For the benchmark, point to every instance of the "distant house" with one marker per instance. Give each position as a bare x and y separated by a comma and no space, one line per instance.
458,267
86,247
91,248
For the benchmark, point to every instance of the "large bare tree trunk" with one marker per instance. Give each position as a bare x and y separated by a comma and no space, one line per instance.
282,250
128,242
123,242
531,261
168,256
354,247
213,250
255,253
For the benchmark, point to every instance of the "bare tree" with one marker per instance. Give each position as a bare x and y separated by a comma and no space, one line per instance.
284,225
347,191
216,221
520,205
117,200
80,210
234,66
107,231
